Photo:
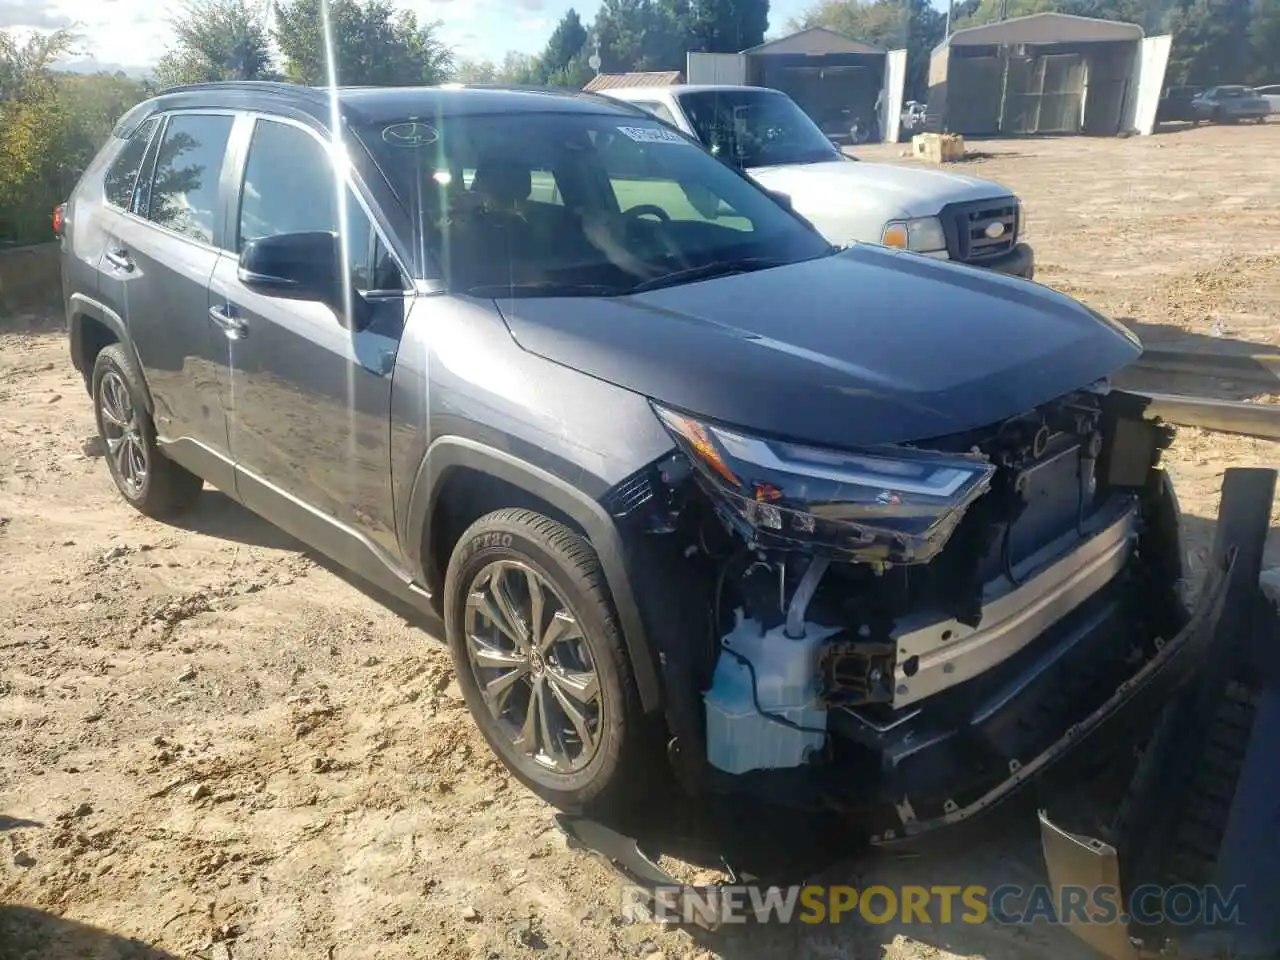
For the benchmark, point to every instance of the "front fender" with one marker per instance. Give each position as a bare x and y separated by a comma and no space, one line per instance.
450,453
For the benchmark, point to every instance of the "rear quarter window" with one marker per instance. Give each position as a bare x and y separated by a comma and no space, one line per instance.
122,176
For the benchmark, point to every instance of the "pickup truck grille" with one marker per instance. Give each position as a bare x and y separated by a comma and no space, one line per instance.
967,226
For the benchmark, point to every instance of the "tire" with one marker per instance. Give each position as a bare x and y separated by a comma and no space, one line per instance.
509,545
148,480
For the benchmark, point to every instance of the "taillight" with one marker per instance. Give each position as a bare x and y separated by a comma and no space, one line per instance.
59,218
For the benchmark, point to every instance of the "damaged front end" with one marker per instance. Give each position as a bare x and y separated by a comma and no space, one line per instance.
893,633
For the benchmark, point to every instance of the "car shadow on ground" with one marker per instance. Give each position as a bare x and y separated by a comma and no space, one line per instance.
30,934
217,515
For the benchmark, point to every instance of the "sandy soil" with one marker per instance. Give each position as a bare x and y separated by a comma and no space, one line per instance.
215,747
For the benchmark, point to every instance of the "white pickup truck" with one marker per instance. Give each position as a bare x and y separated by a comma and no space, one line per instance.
763,132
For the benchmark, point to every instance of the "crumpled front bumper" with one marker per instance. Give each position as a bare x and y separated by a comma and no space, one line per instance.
1124,716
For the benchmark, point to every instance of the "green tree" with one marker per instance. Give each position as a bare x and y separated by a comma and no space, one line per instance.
1264,42
727,26
1210,42
643,34
519,68
217,40
373,44
475,71
567,41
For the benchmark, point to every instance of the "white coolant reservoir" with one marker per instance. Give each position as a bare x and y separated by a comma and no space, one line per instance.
740,737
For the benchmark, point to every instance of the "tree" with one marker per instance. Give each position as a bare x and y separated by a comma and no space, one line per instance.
217,40
642,34
373,44
475,71
1210,42
519,68
1264,42
915,25
567,41
727,26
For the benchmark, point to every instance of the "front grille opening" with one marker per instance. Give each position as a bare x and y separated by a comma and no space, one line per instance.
982,230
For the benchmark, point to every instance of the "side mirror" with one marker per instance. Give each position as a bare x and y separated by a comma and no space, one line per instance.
782,198
296,266
302,266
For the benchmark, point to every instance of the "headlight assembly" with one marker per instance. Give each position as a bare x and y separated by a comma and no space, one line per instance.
924,235
890,504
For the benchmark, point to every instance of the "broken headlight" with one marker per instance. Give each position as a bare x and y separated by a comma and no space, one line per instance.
890,504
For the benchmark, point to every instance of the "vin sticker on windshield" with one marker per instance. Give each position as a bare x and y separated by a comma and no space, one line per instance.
652,135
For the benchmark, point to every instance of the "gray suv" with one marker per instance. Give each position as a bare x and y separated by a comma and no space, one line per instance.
692,490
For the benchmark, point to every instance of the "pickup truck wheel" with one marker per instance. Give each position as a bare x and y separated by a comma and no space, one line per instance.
540,659
150,482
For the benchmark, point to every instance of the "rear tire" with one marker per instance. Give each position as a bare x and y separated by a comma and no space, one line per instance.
148,480
559,706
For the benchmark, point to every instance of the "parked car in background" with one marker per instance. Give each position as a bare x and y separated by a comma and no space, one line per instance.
1176,105
1230,104
693,490
1271,94
765,134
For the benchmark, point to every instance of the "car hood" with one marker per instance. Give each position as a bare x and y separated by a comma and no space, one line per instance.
864,347
896,190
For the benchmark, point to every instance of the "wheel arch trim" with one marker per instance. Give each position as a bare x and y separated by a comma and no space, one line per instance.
81,308
450,453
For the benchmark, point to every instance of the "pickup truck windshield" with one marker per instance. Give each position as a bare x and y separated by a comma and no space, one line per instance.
577,204
756,128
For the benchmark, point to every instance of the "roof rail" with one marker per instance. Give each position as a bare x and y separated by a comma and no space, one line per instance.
266,86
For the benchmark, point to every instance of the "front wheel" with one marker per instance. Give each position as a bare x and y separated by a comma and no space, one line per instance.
540,659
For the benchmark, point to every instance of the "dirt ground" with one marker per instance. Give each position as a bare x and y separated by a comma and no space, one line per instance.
215,747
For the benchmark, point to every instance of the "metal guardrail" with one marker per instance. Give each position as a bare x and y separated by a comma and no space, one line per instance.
1260,367
1261,420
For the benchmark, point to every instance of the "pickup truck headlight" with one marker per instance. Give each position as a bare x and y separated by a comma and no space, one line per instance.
890,504
924,235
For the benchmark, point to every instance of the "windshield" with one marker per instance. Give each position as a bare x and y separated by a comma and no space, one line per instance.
549,204
756,128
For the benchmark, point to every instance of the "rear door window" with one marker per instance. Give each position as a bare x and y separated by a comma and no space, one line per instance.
122,175
184,193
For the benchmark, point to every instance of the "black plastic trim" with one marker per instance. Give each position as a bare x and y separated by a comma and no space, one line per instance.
450,453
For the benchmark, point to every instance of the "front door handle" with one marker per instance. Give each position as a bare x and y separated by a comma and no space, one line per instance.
232,326
119,259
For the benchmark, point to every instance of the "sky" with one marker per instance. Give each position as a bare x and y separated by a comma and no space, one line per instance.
132,34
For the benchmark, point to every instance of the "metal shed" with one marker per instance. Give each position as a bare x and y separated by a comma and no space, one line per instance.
834,79
1048,73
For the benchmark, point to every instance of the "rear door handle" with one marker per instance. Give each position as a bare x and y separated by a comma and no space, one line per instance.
232,326
119,259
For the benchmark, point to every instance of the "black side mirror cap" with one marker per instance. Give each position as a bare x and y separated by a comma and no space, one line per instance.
302,266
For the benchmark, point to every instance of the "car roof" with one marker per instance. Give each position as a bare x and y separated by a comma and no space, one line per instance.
362,105
640,93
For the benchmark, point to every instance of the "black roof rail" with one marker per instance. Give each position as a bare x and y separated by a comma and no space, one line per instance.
266,86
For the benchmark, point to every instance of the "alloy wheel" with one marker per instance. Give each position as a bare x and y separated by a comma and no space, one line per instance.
533,667
122,432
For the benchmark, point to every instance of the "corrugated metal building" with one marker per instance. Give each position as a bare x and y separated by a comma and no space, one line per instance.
836,80
1048,73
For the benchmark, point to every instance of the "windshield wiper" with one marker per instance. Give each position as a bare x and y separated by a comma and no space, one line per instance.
498,291
717,268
